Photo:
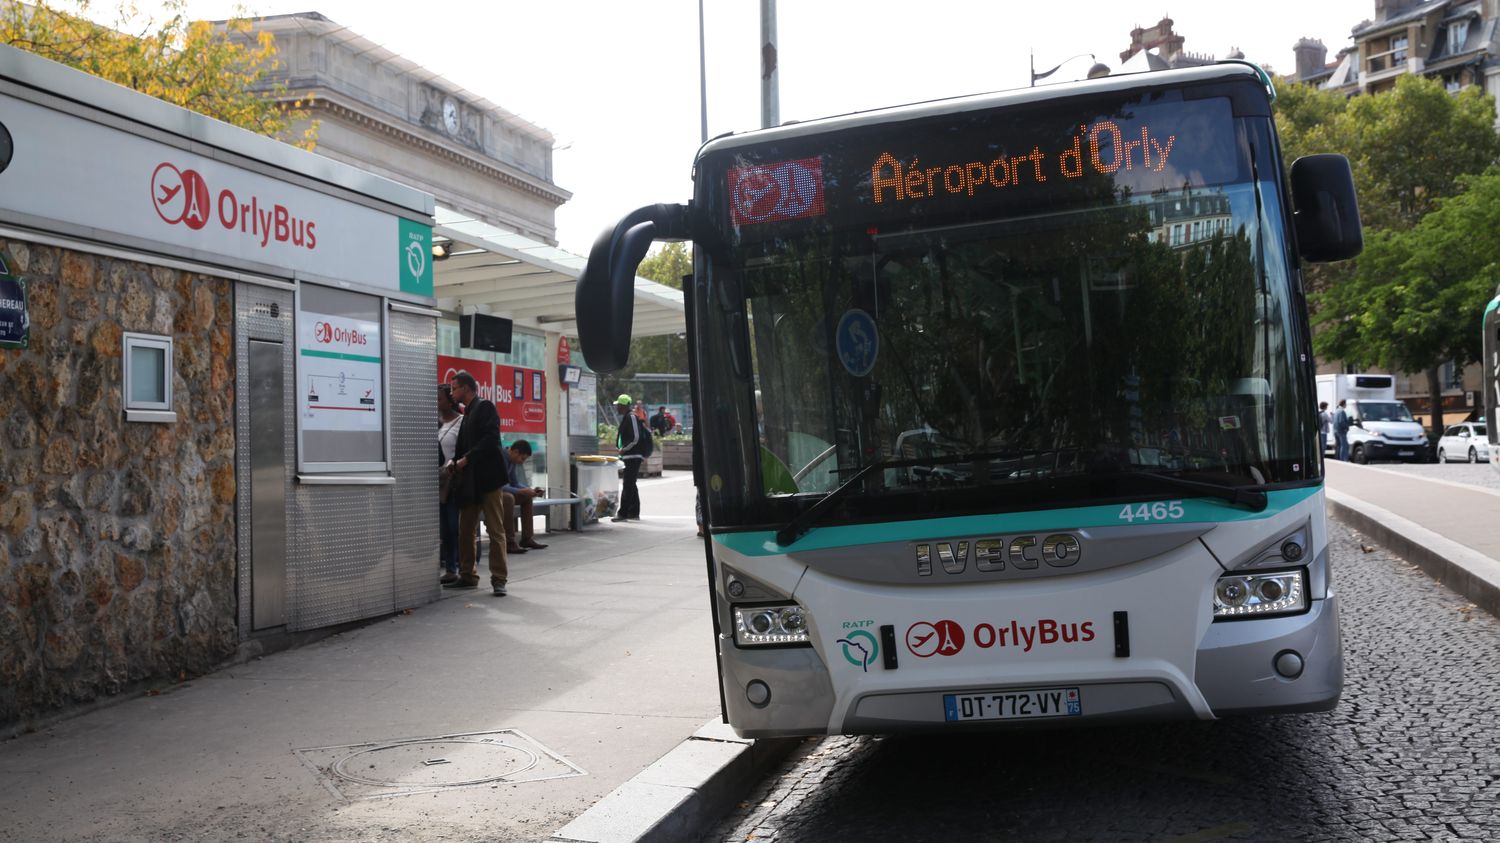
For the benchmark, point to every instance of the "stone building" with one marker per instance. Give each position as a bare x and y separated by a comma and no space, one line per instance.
1160,47
1452,40
390,116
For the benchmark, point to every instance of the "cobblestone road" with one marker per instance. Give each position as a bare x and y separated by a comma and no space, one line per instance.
1411,753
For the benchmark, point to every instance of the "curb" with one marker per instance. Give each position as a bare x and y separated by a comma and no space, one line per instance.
683,793
1461,569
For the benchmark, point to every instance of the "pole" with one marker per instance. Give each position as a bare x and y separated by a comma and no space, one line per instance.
702,78
770,102
1033,70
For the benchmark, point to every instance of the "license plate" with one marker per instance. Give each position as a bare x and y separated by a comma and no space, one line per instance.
1406,453
1013,705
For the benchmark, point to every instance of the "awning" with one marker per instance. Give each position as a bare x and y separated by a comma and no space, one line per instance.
529,282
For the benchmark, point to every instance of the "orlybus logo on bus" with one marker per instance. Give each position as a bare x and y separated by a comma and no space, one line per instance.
182,196
786,190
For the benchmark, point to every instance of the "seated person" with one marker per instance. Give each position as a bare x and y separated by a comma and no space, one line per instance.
519,496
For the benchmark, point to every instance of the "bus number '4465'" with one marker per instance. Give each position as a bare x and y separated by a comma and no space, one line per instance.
1159,511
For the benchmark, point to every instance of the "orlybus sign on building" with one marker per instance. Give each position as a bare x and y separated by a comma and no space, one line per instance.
210,208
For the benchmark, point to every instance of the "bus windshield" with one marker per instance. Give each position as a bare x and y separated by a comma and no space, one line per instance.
1114,301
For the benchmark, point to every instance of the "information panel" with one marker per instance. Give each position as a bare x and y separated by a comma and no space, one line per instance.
520,396
340,381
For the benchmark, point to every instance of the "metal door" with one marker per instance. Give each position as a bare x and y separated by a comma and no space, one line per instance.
267,486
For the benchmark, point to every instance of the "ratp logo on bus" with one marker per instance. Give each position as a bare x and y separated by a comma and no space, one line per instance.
786,190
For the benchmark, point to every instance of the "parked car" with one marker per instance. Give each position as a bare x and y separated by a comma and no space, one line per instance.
1467,441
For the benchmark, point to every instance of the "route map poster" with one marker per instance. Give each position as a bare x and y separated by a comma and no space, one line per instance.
340,373
340,383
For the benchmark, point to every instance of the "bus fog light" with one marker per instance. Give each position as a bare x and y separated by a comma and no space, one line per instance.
1289,664
764,626
1260,594
758,693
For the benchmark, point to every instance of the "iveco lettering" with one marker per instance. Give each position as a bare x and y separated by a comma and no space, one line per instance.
1006,407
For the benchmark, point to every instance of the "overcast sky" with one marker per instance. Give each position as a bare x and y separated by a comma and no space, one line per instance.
616,81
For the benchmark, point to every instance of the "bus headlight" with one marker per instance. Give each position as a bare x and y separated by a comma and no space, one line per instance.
1245,595
761,626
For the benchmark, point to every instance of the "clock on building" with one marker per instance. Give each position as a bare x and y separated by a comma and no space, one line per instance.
450,115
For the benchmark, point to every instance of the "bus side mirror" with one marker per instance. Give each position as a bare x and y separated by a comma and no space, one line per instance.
1327,212
604,300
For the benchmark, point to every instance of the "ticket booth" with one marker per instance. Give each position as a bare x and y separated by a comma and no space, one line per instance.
222,403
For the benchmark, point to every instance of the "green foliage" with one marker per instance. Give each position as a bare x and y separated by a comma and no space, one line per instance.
1305,120
1411,146
1414,299
1410,302
219,71
670,263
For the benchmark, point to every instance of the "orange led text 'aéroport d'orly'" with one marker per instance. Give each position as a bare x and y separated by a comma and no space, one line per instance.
1100,147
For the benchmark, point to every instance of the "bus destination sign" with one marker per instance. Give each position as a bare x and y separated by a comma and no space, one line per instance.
991,162
1098,148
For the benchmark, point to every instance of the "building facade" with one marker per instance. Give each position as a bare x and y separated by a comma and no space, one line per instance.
388,115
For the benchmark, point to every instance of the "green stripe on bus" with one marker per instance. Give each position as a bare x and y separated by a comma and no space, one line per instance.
334,355
1494,303
1195,510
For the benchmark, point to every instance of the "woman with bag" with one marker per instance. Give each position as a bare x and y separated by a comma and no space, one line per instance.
448,424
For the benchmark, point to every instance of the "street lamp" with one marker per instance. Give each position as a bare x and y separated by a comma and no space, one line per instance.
1099,69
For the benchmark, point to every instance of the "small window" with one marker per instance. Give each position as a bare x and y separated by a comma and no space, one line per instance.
1398,48
148,378
1458,33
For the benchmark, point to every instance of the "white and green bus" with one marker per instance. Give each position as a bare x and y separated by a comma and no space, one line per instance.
1005,407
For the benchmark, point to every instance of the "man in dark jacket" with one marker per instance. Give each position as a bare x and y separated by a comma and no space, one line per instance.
662,423
477,456
634,441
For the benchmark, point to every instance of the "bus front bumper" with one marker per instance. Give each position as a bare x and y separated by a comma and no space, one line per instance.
1260,665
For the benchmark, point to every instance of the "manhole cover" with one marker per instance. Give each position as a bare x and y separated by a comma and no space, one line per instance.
408,766
453,762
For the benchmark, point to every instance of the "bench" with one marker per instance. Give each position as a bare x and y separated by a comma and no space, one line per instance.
551,500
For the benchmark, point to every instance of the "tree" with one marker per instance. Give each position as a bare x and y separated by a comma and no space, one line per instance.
1415,298
1410,146
219,71
1411,149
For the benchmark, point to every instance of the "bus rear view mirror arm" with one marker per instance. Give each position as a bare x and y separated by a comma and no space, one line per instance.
1327,212
605,297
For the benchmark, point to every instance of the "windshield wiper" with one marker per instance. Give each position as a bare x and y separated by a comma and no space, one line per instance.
798,527
1253,497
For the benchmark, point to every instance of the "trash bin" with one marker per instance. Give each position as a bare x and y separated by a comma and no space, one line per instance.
597,482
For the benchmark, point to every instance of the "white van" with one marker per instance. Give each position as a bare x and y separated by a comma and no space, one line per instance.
1383,427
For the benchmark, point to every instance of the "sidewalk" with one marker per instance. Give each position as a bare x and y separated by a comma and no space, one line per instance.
1450,530
601,660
